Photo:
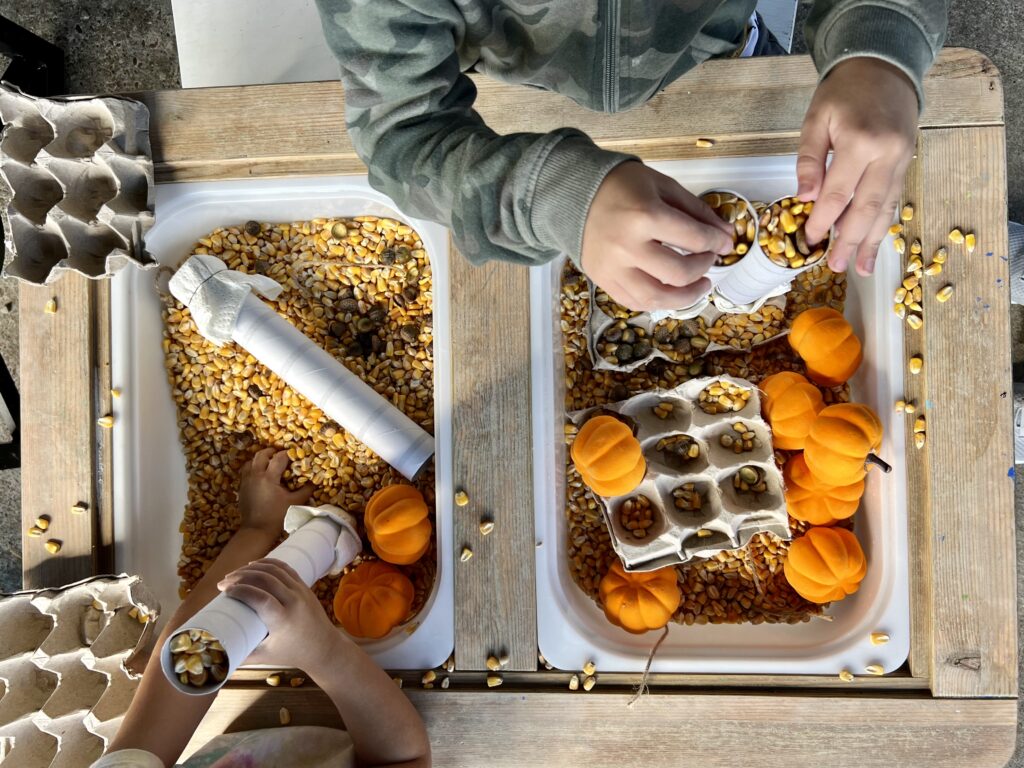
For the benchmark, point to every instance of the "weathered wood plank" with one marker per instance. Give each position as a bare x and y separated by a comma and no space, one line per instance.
58,422
968,458
233,133
517,728
495,604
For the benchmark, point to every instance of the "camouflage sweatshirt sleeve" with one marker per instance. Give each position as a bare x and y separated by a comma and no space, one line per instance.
409,109
905,33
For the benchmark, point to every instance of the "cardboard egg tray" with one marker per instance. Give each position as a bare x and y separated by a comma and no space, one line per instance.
64,668
708,312
727,518
81,183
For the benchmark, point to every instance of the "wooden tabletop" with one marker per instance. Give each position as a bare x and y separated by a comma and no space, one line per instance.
960,488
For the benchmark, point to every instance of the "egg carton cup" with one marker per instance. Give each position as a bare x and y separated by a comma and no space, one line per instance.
756,276
64,679
710,311
80,178
727,519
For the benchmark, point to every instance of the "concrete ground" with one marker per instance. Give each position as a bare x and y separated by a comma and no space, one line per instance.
121,45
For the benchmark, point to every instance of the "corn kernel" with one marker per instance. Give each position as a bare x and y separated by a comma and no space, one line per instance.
875,669
53,546
879,638
899,244
944,294
461,498
493,681
105,421
970,241
919,439
486,526
919,424
933,269
956,236
705,143
915,247
940,256
50,307
896,229
900,310
914,264
915,321
907,214
900,405
467,553
916,364
846,676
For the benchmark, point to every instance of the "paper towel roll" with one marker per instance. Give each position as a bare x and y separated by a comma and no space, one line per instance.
314,549
223,307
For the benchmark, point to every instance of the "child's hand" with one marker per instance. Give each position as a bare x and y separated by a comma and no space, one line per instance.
865,111
636,213
300,634
262,499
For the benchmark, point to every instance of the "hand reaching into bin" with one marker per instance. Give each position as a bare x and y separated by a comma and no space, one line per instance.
162,719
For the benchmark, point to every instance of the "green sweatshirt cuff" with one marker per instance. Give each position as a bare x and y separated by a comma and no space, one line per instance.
879,32
566,184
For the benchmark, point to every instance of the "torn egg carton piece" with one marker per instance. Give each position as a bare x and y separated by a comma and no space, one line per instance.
711,482
677,337
80,178
65,668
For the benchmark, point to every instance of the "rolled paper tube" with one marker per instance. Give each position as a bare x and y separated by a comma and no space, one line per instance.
754,277
312,550
222,304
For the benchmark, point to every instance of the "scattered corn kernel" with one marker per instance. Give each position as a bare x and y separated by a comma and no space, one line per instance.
105,421
284,716
915,247
50,307
273,680
911,282
297,682
80,508
445,682
900,310
43,523
34,532
115,393
919,439
486,526
940,256
461,498
874,669
919,424
504,658
914,264
846,676
53,546
934,268
879,638
428,677
956,236
899,244
467,553
900,405
705,143
896,229
907,214
900,295
589,682
574,683
493,681
944,294
916,364
397,681
589,668
915,321
910,407
493,664
915,306
970,241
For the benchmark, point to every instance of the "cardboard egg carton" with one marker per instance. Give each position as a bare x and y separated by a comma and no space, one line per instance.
81,183
65,681
727,518
691,324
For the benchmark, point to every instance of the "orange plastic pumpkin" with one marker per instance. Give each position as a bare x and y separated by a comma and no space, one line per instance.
825,564
827,344
608,456
639,602
814,502
373,599
790,404
397,524
840,441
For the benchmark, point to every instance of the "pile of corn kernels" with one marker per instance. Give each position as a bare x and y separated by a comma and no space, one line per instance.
361,288
741,585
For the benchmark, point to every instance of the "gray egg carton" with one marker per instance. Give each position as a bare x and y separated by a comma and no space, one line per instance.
81,183
727,519
65,676
707,311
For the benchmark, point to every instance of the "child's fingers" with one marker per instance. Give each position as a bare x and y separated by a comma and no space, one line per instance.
277,465
283,571
259,461
264,603
302,495
269,582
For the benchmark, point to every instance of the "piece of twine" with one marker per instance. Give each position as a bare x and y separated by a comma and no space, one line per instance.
641,688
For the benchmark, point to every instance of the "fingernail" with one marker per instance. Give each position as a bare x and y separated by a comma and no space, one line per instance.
869,265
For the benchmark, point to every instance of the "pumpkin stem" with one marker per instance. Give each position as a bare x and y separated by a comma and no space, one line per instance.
882,465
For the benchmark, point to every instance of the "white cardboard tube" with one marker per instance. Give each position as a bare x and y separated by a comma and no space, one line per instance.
311,550
338,392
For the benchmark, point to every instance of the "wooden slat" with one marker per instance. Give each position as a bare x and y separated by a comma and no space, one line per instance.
58,422
522,728
919,491
495,605
297,129
103,513
968,406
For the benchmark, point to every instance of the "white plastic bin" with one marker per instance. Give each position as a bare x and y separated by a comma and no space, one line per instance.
149,483
572,629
